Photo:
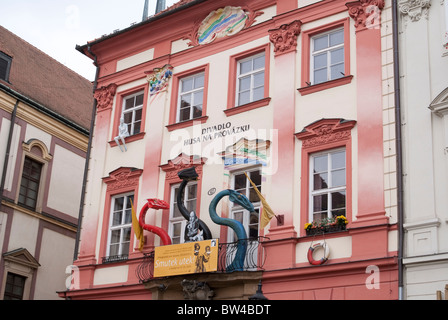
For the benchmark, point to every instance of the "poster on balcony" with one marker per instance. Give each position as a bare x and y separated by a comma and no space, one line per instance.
186,258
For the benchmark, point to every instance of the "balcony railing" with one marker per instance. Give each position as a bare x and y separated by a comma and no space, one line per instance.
254,259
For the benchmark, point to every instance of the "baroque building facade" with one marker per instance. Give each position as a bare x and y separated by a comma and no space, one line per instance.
298,96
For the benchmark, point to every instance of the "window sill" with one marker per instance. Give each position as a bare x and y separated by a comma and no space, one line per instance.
325,85
185,124
135,137
246,107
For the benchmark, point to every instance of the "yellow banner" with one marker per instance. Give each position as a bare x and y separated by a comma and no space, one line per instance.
186,258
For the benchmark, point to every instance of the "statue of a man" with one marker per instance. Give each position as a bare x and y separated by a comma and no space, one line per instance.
122,134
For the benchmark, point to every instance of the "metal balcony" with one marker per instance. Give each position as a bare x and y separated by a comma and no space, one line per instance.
254,260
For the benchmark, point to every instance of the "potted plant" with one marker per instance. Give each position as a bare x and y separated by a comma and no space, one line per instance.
326,225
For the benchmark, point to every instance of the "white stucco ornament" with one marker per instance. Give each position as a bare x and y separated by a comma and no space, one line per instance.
414,9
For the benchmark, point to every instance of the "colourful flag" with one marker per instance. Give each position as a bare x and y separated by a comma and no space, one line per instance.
266,213
138,230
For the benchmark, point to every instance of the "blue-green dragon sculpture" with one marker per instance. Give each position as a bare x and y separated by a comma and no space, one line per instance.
236,197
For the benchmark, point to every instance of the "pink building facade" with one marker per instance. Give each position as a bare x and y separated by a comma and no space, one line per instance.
298,95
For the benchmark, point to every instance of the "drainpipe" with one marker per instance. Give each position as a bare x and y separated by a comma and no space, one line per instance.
8,151
89,149
398,126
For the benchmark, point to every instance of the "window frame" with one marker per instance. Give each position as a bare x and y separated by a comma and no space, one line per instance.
173,123
191,93
133,110
328,51
121,227
233,208
232,96
119,107
330,189
173,204
307,86
8,60
251,75
322,136
23,287
29,179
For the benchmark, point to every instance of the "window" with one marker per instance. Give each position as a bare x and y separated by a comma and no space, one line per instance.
327,52
251,78
177,222
191,95
120,227
5,66
132,112
29,186
328,185
15,287
250,220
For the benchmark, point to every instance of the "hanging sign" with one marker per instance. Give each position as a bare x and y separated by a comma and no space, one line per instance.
186,258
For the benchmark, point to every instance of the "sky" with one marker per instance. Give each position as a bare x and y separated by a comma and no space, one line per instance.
57,26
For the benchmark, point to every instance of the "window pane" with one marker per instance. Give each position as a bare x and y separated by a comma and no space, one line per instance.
129,103
338,160
320,61
337,71
321,42
128,216
113,250
338,200
337,56
240,182
321,163
244,84
185,101
116,220
198,98
127,117
259,80
258,94
338,178
320,181
337,38
115,236
320,203
197,111
191,205
199,81
139,100
320,76
184,114
138,114
118,204
253,224
243,98
245,66
238,216
127,235
259,62
187,84
191,191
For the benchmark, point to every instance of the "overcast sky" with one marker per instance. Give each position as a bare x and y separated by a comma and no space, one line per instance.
57,26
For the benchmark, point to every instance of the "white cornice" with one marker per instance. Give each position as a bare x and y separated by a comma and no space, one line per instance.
414,9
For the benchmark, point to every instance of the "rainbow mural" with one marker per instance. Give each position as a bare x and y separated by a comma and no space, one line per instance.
221,23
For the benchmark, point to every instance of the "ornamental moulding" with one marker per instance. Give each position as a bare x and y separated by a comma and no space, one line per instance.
325,131
123,178
414,9
285,37
182,161
105,96
366,13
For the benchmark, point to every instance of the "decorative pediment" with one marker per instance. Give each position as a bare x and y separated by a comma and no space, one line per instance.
23,257
246,151
440,104
182,161
325,131
123,178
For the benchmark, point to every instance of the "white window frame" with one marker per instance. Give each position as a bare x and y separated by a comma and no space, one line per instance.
330,189
250,74
235,208
133,111
180,220
191,93
121,227
328,50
